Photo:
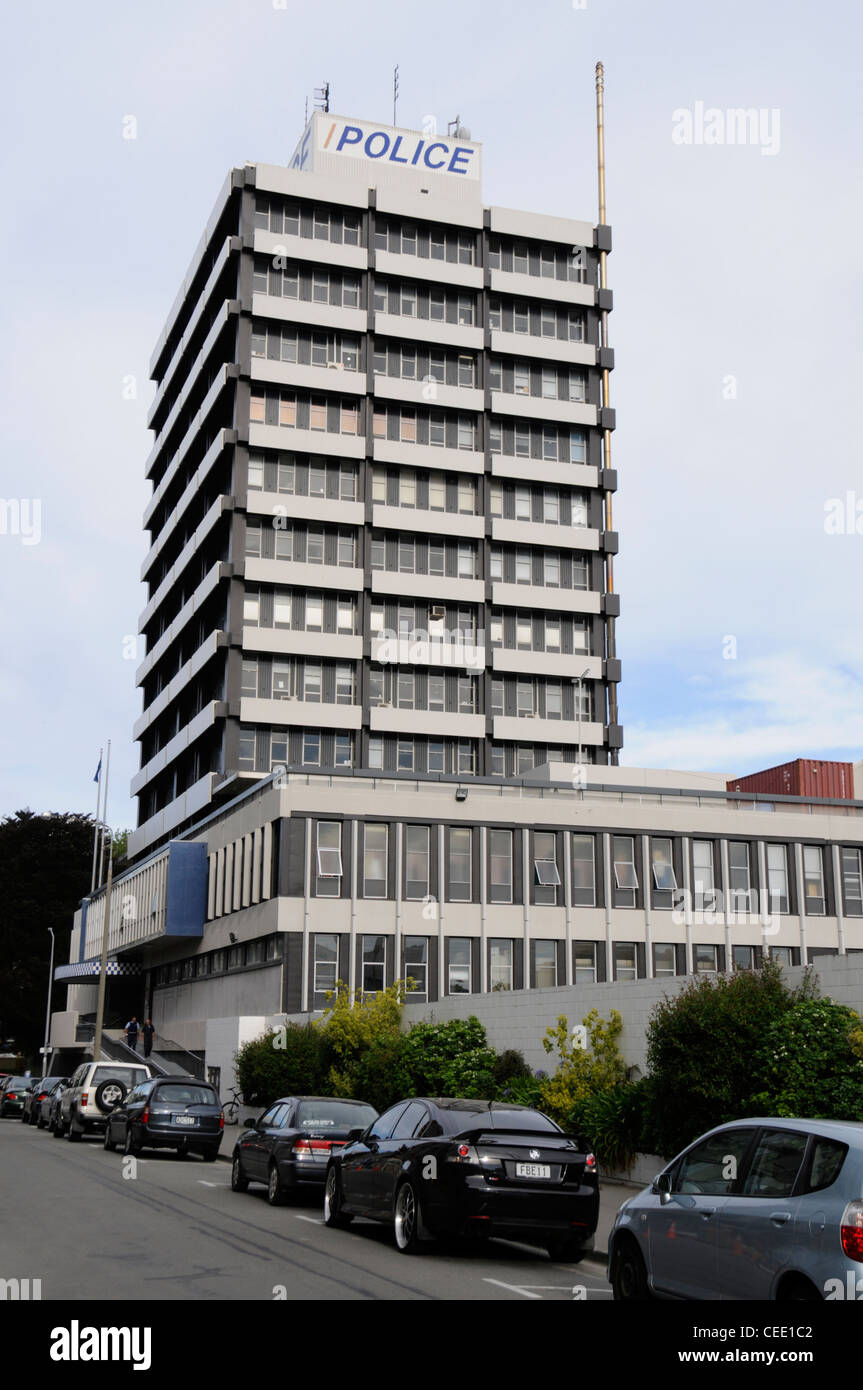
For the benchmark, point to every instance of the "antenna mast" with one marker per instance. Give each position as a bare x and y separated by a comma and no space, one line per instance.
606,438
322,97
395,91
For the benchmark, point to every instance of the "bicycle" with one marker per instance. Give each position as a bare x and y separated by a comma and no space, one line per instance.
232,1107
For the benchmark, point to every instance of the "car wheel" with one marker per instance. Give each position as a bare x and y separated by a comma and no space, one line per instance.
32,1116
407,1220
109,1094
73,1134
130,1146
210,1155
275,1190
108,1142
333,1214
800,1291
239,1181
57,1128
40,1123
629,1275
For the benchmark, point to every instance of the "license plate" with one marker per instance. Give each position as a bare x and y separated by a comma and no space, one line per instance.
532,1170
185,1120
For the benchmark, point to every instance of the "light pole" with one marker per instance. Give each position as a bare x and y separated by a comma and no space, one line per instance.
48,1006
100,1007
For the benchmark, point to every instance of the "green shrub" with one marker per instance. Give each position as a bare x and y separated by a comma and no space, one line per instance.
449,1059
510,1065
704,1051
581,1072
521,1090
288,1061
809,1064
613,1123
360,1038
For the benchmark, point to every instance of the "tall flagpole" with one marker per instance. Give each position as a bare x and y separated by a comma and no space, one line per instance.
104,815
106,922
98,780
610,644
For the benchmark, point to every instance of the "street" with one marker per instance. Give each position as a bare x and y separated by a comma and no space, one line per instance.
175,1231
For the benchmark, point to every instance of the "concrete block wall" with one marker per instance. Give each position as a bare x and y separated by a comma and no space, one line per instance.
519,1018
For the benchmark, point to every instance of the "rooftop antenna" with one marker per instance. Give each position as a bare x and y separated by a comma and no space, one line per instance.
606,438
457,130
322,97
306,121
395,91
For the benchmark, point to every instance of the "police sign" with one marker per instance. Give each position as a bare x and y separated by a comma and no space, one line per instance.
330,139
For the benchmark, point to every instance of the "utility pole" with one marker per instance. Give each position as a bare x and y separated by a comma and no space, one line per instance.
48,1006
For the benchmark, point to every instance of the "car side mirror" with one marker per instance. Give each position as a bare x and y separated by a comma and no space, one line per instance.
354,1135
661,1186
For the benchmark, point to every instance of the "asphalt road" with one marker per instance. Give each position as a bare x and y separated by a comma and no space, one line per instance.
175,1230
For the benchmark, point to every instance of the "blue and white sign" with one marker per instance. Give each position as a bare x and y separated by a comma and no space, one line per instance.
328,139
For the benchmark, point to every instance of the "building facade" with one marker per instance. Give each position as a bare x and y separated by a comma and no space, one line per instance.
313,877
378,528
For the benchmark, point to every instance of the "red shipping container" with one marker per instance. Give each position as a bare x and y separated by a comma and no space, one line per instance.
804,777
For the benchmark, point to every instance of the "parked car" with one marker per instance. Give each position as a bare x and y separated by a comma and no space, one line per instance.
93,1092
458,1167
55,1124
51,1088
12,1093
290,1145
168,1112
28,1110
756,1209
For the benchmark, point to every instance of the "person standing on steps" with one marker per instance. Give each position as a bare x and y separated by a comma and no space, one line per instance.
148,1032
132,1033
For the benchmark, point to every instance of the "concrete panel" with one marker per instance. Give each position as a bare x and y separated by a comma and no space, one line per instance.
549,349
454,335
428,456
438,523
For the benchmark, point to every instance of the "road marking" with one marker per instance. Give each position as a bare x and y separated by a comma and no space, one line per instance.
315,1220
513,1288
204,1183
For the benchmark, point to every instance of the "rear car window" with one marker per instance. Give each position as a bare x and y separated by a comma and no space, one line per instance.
333,1114
19,1083
130,1076
828,1155
185,1095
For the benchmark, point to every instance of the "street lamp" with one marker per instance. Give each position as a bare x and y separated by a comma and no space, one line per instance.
48,1006
100,1007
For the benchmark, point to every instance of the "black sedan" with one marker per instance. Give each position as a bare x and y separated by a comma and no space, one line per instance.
13,1089
293,1141
33,1099
168,1112
49,1091
468,1167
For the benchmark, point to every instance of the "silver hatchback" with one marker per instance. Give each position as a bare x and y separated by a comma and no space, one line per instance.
756,1209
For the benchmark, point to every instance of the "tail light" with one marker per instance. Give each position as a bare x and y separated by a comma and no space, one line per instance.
146,1115
83,1097
222,1120
590,1162
11,1096
463,1153
42,1095
312,1148
851,1230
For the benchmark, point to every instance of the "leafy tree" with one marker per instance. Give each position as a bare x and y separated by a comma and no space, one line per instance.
353,1026
449,1059
45,867
704,1049
581,1072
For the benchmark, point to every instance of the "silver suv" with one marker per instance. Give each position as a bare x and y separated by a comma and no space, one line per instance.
92,1093
757,1209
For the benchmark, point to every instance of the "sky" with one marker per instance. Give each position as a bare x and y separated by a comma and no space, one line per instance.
737,296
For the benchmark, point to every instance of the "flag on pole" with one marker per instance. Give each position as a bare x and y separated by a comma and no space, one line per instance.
98,769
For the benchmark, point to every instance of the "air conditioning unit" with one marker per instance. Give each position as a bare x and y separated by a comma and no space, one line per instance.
437,612
337,366
384,704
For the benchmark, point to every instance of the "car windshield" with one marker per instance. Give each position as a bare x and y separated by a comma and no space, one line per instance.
185,1095
130,1076
19,1083
333,1114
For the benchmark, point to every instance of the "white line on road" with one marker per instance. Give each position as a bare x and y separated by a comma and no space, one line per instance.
315,1220
204,1183
513,1288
